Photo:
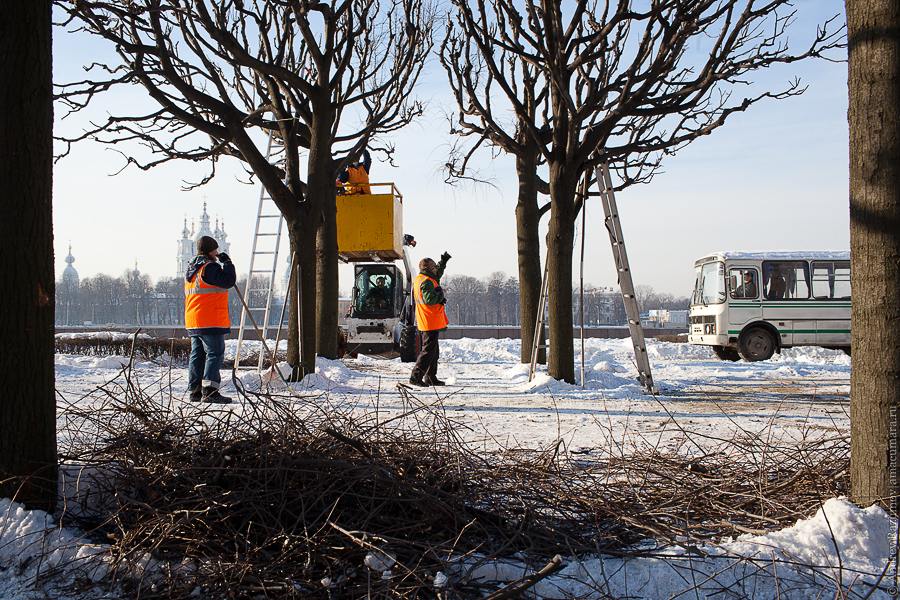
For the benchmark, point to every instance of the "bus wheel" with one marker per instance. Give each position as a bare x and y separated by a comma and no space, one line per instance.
727,353
757,344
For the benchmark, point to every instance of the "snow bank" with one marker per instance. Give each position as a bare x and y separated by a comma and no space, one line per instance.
842,551
33,548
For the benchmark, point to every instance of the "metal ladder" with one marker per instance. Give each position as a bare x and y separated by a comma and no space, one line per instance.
540,322
617,241
266,242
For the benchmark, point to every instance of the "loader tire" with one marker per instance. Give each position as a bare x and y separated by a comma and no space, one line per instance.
409,343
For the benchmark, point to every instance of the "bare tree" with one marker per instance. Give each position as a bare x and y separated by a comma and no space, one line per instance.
621,88
874,87
642,293
329,78
476,120
28,466
465,299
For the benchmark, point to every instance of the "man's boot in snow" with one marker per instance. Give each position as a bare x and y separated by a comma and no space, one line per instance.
212,395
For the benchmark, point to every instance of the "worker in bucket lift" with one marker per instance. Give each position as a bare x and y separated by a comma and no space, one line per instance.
431,319
357,175
206,284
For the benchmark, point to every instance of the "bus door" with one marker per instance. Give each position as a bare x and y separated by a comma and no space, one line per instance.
743,295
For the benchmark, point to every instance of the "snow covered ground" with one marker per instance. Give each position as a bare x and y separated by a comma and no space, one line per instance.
799,394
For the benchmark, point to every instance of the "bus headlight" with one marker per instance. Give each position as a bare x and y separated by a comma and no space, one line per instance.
709,328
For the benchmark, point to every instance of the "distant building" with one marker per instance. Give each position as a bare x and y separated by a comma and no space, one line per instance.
668,318
187,245
67,293
343,309
70,275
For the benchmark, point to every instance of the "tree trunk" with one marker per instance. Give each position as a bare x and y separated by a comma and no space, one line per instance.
321,185
529,250
302,348
874,114
28,467
560,240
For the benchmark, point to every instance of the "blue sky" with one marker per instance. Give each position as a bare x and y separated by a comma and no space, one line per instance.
774,178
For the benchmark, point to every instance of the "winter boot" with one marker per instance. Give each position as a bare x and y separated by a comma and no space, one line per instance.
413,380
212,395
196,395
427,380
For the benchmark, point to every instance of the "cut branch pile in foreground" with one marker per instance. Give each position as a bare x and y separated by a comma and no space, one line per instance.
287,499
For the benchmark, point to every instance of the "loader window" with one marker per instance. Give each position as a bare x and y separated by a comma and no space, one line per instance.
374,292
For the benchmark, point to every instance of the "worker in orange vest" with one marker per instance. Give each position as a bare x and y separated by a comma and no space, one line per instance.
357,175
431,319
206,284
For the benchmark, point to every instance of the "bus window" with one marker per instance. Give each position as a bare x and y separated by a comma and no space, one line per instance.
786,279
743,283
831,279
709,287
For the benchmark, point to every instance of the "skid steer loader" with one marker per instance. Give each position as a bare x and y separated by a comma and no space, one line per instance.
381,320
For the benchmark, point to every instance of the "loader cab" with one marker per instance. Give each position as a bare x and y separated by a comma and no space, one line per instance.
377,291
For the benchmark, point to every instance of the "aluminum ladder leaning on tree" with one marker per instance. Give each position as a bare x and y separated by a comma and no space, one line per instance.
626,285
266,242
536,345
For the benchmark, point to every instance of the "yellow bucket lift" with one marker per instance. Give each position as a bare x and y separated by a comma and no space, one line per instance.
370,226
381,321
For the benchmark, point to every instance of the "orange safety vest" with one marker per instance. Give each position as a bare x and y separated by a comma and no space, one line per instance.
358,176
205,305
429,317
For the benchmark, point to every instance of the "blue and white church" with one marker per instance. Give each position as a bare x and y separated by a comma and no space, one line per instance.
187,245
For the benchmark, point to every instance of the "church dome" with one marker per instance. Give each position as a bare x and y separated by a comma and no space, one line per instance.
204,226
187,245
70,275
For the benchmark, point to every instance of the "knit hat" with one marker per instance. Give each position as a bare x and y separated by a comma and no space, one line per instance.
206,244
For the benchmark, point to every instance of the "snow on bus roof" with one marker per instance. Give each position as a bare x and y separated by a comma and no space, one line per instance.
780,255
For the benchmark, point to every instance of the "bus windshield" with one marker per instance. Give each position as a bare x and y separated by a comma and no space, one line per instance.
709,288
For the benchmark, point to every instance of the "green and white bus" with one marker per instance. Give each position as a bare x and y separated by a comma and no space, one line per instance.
752,304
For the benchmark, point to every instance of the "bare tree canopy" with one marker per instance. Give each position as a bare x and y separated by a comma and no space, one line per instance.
329,78
220,69
588,82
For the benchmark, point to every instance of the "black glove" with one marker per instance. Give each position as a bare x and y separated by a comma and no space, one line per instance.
223,258
445,257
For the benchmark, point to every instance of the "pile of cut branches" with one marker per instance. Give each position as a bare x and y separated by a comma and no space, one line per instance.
293,497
